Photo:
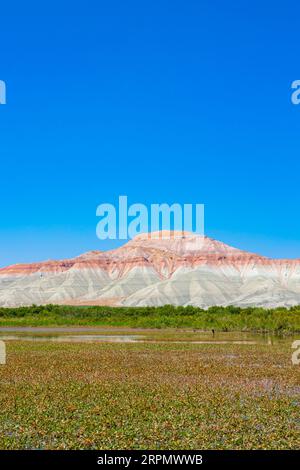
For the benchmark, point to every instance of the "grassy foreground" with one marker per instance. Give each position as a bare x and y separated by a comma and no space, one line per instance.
149,396
279,320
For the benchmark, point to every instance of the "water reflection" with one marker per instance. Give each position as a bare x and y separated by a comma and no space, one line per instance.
164,336
75,338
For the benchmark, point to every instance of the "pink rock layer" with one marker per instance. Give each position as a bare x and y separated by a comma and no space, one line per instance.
162,251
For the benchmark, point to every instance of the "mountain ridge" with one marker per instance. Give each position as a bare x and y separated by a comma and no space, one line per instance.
153,269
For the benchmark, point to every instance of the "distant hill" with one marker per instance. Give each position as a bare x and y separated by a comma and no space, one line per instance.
156,269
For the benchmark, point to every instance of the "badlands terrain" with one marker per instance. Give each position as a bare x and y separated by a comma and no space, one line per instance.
153,269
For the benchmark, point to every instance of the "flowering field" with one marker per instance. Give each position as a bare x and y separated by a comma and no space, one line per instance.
149,395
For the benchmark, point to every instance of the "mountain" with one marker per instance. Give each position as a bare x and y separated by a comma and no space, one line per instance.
156,269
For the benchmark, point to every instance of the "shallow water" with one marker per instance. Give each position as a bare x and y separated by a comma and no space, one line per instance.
97,334
74,338
111,339
62,335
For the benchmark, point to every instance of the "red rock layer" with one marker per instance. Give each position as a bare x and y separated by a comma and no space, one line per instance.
165,255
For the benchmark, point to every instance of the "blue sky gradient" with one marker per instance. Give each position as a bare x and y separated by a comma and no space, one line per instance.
186,102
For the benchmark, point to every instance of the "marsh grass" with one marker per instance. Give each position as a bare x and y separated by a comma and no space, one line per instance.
149,396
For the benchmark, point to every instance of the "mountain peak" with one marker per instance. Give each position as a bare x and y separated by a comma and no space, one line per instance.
166,235
183,243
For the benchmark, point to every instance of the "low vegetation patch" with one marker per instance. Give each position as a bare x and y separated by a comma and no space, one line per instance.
278,320
149,396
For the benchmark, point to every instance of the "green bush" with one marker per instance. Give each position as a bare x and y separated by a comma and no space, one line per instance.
231,318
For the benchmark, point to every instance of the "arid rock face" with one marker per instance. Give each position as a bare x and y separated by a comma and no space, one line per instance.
156,269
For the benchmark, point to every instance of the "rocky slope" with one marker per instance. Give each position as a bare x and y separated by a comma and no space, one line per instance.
186,269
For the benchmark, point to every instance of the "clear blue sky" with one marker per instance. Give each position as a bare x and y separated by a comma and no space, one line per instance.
163,101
